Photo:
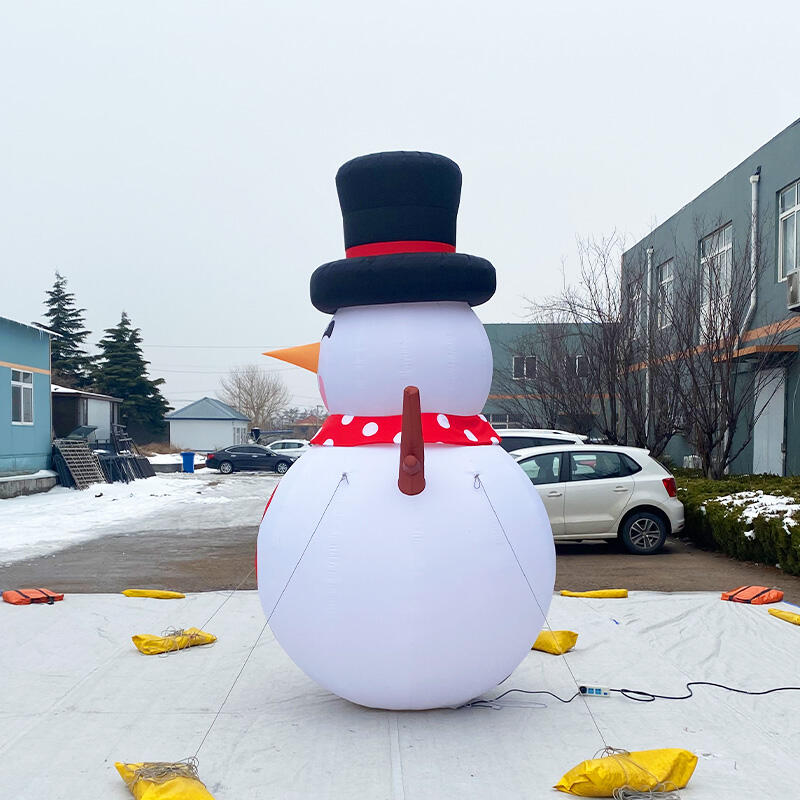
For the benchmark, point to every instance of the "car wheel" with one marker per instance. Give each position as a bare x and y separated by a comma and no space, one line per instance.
226,467
281,467
644,533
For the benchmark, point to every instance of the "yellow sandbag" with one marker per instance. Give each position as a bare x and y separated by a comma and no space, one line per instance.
596,593
789,616
152,645
163,781
646,770
159,594
555,642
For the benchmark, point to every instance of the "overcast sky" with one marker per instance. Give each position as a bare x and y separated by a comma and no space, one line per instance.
177,159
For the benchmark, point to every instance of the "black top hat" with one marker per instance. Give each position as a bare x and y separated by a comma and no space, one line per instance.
399,213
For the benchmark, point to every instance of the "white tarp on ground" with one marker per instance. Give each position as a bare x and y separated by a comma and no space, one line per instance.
179,502
77,696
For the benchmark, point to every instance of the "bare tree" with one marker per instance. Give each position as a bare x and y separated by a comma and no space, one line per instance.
724,365
286,416
616,336
648,381
668,344
258,394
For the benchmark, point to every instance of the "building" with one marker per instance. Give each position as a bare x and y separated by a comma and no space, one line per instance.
536,365
749,217
307,427
207,424
73,408
25,412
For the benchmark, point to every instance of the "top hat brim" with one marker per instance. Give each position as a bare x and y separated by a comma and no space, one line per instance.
402,278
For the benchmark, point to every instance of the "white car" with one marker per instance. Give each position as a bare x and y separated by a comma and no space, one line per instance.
290,447
605,492
513,439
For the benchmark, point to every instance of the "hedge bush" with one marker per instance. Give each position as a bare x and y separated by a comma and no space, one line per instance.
715,526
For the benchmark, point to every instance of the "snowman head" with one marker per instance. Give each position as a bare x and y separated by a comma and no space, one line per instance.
401,299
369,354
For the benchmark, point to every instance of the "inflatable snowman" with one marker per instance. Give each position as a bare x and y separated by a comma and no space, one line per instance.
405,561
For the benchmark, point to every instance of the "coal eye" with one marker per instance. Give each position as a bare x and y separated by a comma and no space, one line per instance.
328,330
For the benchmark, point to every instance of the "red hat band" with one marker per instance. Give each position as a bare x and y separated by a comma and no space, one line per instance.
388,248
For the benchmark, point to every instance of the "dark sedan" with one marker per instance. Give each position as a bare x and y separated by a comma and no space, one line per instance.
248,457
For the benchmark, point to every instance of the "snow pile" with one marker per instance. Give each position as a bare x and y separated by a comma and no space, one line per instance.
180,502
42,473
174,458
757,504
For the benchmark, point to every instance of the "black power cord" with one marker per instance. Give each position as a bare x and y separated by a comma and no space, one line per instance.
649,697
488,703
637,695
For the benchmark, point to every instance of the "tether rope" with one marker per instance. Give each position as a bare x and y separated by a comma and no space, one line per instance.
343,479
478,483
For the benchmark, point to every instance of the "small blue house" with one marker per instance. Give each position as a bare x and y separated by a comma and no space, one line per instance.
25,411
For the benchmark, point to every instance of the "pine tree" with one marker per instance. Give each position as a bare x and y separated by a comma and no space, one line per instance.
121,371
70,364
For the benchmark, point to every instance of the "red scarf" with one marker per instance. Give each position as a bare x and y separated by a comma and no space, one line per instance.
346,431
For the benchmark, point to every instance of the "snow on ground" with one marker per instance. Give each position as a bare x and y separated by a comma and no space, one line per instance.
183,502
757,504
78,697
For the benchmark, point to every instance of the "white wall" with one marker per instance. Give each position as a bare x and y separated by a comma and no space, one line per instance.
98,413
201,434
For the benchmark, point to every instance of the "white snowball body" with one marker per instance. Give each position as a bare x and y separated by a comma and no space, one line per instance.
406,602
374,352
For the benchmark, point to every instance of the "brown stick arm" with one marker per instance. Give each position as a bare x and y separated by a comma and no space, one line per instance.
412,448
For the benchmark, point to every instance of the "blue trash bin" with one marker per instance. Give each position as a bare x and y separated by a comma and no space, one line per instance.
188,462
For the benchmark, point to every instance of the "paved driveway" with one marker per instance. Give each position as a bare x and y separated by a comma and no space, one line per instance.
221,559
679,567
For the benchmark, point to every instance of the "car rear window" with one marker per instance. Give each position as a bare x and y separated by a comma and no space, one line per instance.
509,443
632,465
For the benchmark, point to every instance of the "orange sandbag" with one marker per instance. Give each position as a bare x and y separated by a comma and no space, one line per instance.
24,597
755,595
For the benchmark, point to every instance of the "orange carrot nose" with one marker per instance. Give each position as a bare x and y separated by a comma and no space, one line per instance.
304,355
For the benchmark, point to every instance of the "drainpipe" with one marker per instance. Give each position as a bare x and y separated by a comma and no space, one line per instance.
748,317
647,378
754,179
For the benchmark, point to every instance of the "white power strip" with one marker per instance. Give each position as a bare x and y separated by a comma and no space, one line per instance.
594,691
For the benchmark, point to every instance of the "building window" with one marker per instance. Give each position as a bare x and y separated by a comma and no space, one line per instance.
664,274
788,230
524,367
502,421
21,397
576,365
716,259
636,299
